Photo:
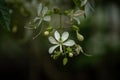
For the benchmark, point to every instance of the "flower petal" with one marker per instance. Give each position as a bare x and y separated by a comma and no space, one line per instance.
78,49
57,35
69,43
51,49
39,9
36,19
83,3
47,18
44,11
65,36
77,19
52,40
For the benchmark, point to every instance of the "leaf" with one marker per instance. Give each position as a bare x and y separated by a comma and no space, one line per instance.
4,15
65,60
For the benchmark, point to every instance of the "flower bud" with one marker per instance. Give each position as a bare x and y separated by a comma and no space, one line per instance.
50,28
56,10
75,28
78,49
70,54
80,37
46,33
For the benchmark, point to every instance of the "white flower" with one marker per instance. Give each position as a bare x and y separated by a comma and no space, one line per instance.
78,49
60,41
76,15
41,16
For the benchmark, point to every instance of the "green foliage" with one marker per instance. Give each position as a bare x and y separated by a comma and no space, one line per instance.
4,15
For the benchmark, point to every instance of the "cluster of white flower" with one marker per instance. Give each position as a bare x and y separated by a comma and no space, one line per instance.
62,45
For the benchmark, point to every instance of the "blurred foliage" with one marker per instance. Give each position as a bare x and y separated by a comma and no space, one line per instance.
4,15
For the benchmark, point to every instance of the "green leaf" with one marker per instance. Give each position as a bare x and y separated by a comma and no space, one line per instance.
4,15
65,60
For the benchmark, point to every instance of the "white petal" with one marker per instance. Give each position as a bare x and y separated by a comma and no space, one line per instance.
44,11
69,43
83,3
52,40
51,49
47,18
36,18
79,13
65,36
39,9
57,35
77,19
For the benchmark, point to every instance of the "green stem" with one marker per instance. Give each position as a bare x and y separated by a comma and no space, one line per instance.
38,33
60,21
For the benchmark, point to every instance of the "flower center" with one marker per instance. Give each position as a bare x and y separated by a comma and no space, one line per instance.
60,41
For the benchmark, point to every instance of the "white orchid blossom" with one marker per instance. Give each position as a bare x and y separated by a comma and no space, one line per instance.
60,41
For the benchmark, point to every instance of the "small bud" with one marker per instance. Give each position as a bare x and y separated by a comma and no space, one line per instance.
70,54
56,10
80,37
46,33
65,61
50,28
14,29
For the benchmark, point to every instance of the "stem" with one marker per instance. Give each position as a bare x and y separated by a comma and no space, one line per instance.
61,48
60,21
38,33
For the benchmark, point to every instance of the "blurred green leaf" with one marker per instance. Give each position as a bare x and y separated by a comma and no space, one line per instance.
4,15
